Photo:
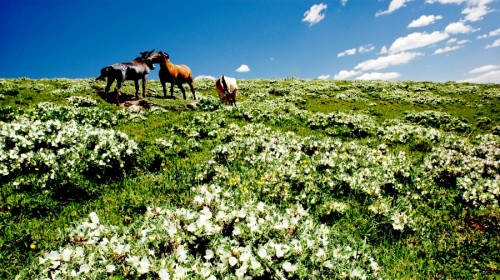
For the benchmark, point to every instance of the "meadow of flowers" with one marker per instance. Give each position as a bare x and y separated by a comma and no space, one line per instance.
303,179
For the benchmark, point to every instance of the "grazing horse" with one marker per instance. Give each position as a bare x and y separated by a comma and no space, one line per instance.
135,70
227,88
173,74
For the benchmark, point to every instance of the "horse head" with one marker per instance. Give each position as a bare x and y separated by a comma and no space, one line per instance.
144,57
146,54
165,55
157,57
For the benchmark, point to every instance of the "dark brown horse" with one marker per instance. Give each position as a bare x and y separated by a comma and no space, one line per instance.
173,74
135,70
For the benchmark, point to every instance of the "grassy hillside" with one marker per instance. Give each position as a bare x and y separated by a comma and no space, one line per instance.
302,179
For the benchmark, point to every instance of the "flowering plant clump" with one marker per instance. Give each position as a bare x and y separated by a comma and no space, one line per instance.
219,235
339,123
48,156
94,116
405,96
82,101
8,87
277,111
438,120
289,168
473,169
56,150
71,87
492,93
397,132
352,95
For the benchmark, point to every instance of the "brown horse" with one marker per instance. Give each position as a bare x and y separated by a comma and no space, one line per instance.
173,74
135,70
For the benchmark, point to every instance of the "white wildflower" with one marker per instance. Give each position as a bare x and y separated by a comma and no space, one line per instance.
84,268
209,254
288,267
164,274
143,266
110,268
232,261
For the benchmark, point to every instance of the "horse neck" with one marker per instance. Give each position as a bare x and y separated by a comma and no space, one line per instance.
142,63
167,64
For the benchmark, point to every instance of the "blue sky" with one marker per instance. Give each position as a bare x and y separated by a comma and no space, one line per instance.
421,40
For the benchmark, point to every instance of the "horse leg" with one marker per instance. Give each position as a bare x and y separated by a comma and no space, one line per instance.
172,89
144,87
108,85
233,97
117,91
182,90
192,90
136,82
164,85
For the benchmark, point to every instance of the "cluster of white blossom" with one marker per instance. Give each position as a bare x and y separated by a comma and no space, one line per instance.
438,120
72,87
82,101
290,168
219,235
398,132
474,167
358,124
55,151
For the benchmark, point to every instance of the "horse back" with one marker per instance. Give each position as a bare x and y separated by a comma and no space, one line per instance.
185,72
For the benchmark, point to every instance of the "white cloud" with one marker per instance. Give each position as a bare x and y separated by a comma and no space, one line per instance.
459,27
395,5
315,15
417,40
362,49
494,44
243,69
346,74
424,21
201,77
455,41
445,1
491,34
477,12
366,48
386,61
484,68
379,76
475,9
447,49
347,52
324,77
343,2
490,77
384,50
494,32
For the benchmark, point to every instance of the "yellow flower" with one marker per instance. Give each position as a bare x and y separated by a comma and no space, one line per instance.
32,246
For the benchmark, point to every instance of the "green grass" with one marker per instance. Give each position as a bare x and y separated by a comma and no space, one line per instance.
180,149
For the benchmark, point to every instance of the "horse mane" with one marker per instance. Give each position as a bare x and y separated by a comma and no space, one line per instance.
224,85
